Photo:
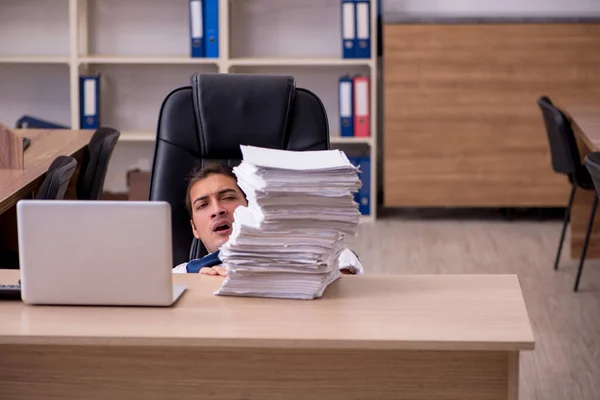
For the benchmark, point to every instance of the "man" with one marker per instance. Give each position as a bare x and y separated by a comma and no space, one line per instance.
212,196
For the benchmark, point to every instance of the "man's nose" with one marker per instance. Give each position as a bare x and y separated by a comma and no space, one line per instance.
218,210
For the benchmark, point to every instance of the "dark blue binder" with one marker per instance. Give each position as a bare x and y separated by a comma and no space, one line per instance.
89,102
196,28
29,122
211,26
364,193
356,162
363,29
346,106
348,31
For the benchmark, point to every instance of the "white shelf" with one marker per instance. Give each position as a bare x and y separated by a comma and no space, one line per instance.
248,62
173,60
34,60
143,56
132,136
350,140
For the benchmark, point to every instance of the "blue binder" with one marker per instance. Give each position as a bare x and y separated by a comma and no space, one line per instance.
89,102
211,25
29,122
196,28
348,10
364,193
346,106
363,29
356,162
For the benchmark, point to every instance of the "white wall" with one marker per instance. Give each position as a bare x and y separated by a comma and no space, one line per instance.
518,8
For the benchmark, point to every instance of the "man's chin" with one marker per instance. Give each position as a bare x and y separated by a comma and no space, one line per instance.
221,242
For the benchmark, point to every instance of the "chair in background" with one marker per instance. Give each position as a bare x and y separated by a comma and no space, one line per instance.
53,187
57,179
566,160
95,163
209,120
592,163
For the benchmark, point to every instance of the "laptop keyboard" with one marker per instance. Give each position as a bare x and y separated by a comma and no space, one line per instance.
10,292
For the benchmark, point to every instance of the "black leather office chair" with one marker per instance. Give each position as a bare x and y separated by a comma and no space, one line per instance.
53,187
209,120
566,160
95,163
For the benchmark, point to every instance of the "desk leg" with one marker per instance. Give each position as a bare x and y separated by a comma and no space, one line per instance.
159,372
513,376
580,214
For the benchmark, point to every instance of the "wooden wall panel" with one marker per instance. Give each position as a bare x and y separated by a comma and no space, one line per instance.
461,123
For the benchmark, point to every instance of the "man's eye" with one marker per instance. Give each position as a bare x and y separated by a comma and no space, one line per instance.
229,198
200,206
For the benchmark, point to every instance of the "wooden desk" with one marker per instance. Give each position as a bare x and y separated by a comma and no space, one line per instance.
45,146
15,185
370,337
586,124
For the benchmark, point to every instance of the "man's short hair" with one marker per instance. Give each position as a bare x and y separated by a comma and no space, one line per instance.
199,173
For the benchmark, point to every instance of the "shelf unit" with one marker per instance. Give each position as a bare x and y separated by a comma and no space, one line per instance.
141,48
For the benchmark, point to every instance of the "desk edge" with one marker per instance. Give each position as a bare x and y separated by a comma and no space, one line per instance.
270,343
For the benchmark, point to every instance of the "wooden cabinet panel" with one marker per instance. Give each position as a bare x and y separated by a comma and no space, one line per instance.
461,123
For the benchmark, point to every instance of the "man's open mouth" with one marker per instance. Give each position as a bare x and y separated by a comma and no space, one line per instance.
222,227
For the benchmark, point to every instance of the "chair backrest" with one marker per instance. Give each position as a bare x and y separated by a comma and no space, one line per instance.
209,120
57,178
563,146
95,163
592,163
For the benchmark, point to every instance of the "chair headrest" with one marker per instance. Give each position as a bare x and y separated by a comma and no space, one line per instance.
232,108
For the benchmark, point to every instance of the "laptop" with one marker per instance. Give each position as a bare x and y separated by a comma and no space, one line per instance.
106,253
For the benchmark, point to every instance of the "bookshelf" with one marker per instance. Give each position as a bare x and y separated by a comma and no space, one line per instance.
141,49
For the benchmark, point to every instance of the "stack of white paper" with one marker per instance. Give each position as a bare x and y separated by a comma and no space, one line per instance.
301,207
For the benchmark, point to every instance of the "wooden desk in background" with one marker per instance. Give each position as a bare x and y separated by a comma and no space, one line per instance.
17,184
586,125
370,337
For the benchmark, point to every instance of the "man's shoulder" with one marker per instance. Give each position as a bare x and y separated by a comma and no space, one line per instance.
180,269
197,264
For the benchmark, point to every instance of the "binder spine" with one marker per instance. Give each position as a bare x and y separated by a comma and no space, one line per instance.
364,193
196,29
363,29
348,29
346,105
362,120
89,102
211,16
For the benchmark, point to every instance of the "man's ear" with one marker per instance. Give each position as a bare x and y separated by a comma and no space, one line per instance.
196,235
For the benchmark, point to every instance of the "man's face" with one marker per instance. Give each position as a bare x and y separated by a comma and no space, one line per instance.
214,199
